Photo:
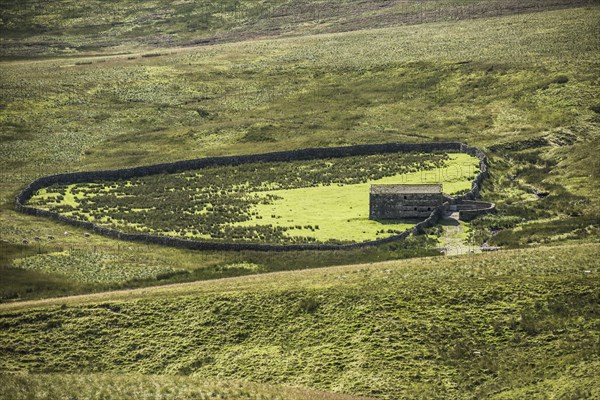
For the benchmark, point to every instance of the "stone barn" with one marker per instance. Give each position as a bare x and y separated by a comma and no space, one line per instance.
404,201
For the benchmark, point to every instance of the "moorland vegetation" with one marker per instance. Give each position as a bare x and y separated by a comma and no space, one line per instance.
519,323
527,80
517,79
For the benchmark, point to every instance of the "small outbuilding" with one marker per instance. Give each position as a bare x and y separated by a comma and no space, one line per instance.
401,201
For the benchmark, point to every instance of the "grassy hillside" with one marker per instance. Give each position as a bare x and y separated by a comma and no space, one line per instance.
102,85
523,87
45,28
521,323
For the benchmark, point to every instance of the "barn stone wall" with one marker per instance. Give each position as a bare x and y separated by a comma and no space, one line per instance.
403,205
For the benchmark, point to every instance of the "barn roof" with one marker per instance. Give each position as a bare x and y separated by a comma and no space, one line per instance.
407,188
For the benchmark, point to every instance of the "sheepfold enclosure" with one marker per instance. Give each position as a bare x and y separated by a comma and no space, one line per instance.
310,198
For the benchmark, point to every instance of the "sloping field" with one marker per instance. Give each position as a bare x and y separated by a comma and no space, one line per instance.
479,326
521,87
98,85
47,28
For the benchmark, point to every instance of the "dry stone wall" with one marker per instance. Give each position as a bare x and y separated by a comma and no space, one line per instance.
291,155
469,209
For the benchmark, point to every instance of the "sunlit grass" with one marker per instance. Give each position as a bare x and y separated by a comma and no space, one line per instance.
342,211
318,200
470,326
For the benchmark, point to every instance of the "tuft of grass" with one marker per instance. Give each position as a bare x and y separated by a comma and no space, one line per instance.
92,268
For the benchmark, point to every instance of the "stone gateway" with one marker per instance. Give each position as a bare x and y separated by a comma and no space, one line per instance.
404,201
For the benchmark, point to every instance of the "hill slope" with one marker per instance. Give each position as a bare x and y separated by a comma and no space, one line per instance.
522,87
479,326
42,28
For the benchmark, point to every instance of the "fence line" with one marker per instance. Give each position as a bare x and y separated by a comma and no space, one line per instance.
290,155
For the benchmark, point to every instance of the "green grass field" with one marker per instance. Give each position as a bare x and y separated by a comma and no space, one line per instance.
46,29
342,212
516,79
320,201
527,79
